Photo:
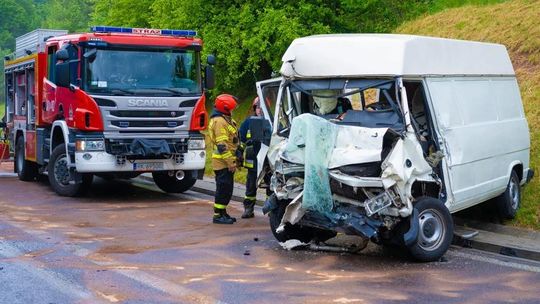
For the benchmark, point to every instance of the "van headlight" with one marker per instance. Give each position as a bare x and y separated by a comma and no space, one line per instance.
90,145
196,144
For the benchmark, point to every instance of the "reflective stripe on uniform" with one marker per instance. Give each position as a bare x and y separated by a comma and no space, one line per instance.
248,135
227,154
248,163
222,138
231,129
220,206
251,198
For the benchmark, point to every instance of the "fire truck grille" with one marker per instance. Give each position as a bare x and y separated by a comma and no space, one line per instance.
125,122
146,124
125,147
151,114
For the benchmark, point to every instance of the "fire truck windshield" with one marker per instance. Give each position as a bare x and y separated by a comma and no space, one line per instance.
129,71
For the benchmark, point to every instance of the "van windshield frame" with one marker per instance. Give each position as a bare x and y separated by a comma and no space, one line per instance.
363,109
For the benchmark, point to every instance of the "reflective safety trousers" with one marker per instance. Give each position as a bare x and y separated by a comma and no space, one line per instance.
223,133
250,158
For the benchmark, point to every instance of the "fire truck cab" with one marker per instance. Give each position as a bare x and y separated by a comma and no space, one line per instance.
114,103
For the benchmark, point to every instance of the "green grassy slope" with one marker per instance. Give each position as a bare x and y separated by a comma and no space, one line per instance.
515,24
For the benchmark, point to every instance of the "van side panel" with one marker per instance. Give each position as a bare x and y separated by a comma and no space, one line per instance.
483,126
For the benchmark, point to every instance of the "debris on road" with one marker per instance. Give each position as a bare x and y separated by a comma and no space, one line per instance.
292,244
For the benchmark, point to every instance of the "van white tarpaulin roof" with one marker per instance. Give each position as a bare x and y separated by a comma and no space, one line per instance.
346,55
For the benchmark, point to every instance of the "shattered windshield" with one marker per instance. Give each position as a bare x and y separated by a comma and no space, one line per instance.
360,102
124,71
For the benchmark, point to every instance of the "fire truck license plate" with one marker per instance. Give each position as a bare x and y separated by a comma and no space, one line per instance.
147,166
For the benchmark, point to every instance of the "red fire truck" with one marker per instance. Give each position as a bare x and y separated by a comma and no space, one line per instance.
115,102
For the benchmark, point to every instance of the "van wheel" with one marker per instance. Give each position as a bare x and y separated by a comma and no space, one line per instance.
509,202
436,229
170,184
26,170
295,232
59,177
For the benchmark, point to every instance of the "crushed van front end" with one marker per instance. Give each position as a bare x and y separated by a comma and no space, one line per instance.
355,181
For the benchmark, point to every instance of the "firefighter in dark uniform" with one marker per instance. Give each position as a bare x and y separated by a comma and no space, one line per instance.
251,148
223,133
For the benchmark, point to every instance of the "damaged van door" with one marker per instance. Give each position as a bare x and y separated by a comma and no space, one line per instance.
342,157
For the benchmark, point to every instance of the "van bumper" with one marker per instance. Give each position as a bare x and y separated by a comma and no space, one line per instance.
530,175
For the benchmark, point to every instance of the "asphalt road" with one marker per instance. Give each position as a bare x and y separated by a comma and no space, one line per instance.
127,242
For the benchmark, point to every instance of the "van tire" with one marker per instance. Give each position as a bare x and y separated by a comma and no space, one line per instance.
26,170
291,232
295,232
170,184
436,229
57,170
509,202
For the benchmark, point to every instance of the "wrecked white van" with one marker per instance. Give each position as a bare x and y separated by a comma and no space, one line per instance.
384,136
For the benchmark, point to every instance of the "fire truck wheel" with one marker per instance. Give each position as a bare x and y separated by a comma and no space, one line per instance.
26,170
170,184
59,176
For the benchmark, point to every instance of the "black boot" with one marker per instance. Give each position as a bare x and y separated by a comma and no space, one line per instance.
228,216
221,217
249,205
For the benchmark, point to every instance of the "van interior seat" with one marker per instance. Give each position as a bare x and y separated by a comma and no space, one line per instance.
418,111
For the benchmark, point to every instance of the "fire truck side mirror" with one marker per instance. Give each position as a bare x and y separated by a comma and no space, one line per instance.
209,78
62,54
62,74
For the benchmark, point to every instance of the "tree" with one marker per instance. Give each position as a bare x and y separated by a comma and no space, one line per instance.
247,37
122,12
71,15
16,18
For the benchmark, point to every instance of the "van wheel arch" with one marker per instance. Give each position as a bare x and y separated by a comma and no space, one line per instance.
425,189
509,201
519,171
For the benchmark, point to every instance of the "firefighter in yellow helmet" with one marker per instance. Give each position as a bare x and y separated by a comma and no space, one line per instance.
223,132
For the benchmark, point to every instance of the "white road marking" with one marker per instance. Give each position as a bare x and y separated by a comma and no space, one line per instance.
140,276
51,278
485,259
165,285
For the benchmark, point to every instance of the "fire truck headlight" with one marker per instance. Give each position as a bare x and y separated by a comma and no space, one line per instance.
196,144
90,145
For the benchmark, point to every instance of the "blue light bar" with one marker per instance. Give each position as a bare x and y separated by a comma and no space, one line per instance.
142,31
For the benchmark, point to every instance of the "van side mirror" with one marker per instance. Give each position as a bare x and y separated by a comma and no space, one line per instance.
62,54
211,59
62,74
209,78
261,130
